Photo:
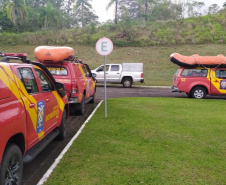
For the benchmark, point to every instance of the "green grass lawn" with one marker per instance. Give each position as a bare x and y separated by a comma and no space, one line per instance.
149,141
158,70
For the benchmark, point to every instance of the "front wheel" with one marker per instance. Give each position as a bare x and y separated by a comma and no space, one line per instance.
198,93
127,82
11,166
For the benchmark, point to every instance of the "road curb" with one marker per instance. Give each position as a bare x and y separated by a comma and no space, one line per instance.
57,160
137,86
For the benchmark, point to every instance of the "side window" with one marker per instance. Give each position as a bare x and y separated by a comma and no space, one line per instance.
84,70
221,74
194,72
102,68
46,84
27,77
114,67
89,74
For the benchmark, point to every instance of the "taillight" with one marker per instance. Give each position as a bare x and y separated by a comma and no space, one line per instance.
178,81
142,75
74,88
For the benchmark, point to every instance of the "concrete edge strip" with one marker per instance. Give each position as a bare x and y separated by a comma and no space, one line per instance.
57,160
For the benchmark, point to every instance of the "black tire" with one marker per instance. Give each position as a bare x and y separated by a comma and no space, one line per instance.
11,166
198,93
127,82
93,100
81,106
62,127
188,95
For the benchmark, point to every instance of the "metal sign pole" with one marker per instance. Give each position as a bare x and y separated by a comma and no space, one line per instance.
105,87
104,47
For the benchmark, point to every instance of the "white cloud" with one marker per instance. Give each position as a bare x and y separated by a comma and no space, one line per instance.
100,7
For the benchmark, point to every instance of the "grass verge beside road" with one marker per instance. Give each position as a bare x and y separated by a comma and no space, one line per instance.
149,141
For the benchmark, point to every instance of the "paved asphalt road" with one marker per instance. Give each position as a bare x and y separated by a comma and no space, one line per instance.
34,171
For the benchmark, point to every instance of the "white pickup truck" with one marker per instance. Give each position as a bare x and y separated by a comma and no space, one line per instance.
125,73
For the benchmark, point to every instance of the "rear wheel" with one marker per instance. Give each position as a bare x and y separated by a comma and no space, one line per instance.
188,95
81,106
62,127
198,93
127,82
93,100
11,166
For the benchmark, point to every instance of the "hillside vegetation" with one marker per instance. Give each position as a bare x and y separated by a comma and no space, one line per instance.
158,70
149,43
199,30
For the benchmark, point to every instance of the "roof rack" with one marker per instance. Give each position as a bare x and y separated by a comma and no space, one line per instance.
73,59
14,56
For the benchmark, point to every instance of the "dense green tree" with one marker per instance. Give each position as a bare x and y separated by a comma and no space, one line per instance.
16,10
146,6
212,9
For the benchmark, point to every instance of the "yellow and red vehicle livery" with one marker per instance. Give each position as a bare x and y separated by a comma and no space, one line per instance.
31,107
78,79
197,82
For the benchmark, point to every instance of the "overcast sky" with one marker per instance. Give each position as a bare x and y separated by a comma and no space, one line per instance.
100,7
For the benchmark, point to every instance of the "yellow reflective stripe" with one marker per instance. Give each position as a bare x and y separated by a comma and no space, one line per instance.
41,135
216,82
83,74
22,93
28,99
12,86
59,100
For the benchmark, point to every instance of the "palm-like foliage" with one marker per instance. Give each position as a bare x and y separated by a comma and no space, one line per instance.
83,5
116,8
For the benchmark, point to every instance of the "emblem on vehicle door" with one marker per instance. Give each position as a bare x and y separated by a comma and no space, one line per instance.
40,119
223,84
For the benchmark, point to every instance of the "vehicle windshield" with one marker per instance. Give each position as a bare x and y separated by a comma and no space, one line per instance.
61,71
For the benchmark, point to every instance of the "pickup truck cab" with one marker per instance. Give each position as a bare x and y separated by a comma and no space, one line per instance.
200,81
75,75
78,79
125,73
33,112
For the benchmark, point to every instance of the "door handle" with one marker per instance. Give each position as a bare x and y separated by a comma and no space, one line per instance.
32,105
47,100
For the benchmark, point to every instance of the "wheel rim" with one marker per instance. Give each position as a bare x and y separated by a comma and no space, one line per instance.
127,83
12,172
198,93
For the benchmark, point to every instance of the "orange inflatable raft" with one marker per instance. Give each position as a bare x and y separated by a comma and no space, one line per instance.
196,60
53,53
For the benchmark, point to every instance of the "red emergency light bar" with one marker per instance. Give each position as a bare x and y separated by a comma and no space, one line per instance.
15,54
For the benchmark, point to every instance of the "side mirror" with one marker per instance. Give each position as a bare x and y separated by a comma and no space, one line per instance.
94,75
59,86
60,89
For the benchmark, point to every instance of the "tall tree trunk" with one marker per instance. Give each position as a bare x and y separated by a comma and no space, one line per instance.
83,15
116,11
146,10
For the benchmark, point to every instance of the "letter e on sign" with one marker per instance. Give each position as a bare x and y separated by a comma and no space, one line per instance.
104,46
